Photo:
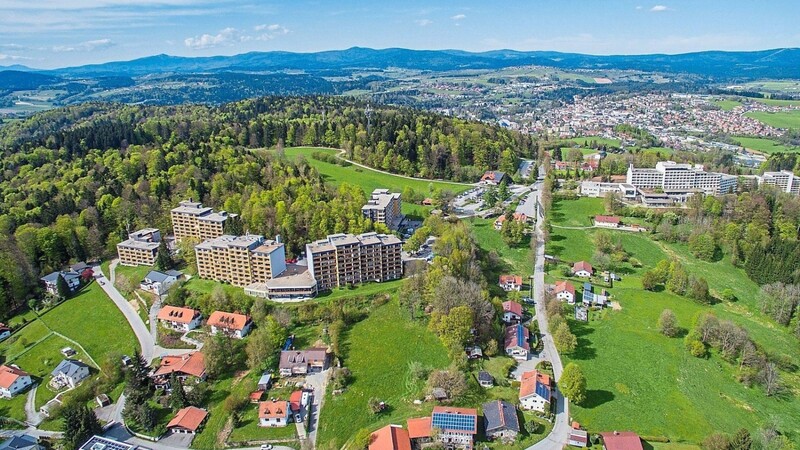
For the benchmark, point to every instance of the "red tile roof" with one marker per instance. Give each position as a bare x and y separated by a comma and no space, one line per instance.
230,321
564,285
255,396
190,364
582,265
273,409
294,400
513,339
177,314
390,437
607,219
189,418
419,427
8,375
528,383
621,440
514,307
516,279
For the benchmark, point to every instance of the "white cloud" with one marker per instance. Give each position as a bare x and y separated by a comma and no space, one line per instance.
659,8
639,8
423,22
88,46
458,17
270,32
227,36
4,57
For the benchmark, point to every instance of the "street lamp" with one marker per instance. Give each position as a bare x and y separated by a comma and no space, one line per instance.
531,278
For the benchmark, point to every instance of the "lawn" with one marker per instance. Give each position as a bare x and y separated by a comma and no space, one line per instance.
249,431
727,105
379,351
517,260
783,119
767,146
641,380
580,140
576,213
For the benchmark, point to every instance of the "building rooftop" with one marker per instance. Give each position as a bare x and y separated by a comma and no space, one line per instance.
390,437
250,241
287,279
500,415
101,443
190,207
68,367
189,418
381,198
455,419
191,364
232,321
9,374
177,314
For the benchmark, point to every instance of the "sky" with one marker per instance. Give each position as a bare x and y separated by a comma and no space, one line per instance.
61,33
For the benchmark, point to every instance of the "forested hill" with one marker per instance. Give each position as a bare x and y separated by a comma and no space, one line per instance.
74,179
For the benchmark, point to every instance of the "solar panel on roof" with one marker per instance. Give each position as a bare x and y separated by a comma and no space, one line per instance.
455,422
542,391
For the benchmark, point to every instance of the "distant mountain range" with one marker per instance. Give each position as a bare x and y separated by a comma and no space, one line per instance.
776,63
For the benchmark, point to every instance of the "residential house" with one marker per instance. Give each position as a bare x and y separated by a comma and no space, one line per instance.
13,380
512,312
101,443
517,217
500,420
188,366
231,324
188,420
274,413
297,400
390,437
21,442
582,269
301,362
159,282
494,178
5,331
535,391
517,343
457,426
510,282
565,291
73,280
69,373
474,352
180,318
607,221
485,379
621,440
419,431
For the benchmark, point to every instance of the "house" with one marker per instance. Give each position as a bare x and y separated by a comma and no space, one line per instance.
102,400
256,396
301,362
500,420
69,373
510,282
297,401
159,282
73,280
265,382
582,269
485,379
419,430
13,380
494,178
101,443
188,366
577,437
188,420
231,324
474,352
274,413
457,426
607,221
5,331
591,298
390,437
512,312
621,440
535,391
21,442
180,318
565,291
516,342
517,217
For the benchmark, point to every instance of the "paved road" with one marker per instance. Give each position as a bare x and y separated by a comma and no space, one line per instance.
557,438
317,382
119,433
33,417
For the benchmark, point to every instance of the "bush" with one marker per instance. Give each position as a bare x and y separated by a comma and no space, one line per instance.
668,323
696,347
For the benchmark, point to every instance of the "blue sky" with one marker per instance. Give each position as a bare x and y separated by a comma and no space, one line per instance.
57,33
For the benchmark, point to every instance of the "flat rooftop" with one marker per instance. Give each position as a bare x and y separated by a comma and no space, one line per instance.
250,241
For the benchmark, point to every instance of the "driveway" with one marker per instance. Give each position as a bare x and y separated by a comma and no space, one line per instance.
33,417
317,383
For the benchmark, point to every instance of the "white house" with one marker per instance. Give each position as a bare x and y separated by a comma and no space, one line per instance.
274,413
512,312
50,280
510,282
69,373
159,282
535,391
13,380
582,269
516,342
565,291
231,324
180,318
607,221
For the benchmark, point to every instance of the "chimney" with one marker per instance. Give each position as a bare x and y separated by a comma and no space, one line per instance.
278,238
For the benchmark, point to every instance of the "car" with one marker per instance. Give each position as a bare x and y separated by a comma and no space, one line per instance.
266,446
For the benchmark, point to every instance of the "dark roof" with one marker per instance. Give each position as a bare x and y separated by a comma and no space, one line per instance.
51,277
21,442
159,277
69,367
543,390
500,415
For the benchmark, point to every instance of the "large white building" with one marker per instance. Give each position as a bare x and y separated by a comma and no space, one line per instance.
672,177
383,207
784,180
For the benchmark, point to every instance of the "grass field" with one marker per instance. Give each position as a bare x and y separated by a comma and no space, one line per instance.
727,105
767,146
379,350
641,380
783,119
580,140
515,258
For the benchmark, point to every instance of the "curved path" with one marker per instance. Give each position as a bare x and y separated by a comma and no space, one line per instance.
341,153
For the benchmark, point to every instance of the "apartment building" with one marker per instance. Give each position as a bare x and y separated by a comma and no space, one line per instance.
343,259
140,249
192,219
383,207
784,180
240,260
672,177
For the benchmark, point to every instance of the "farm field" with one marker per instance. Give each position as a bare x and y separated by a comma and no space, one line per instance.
727,105
783,119
630,366
767,146
580,140
389,333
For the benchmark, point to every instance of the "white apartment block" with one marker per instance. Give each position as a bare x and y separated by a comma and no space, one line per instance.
598,189
672,177
383,207
784,180
192,219
140,249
